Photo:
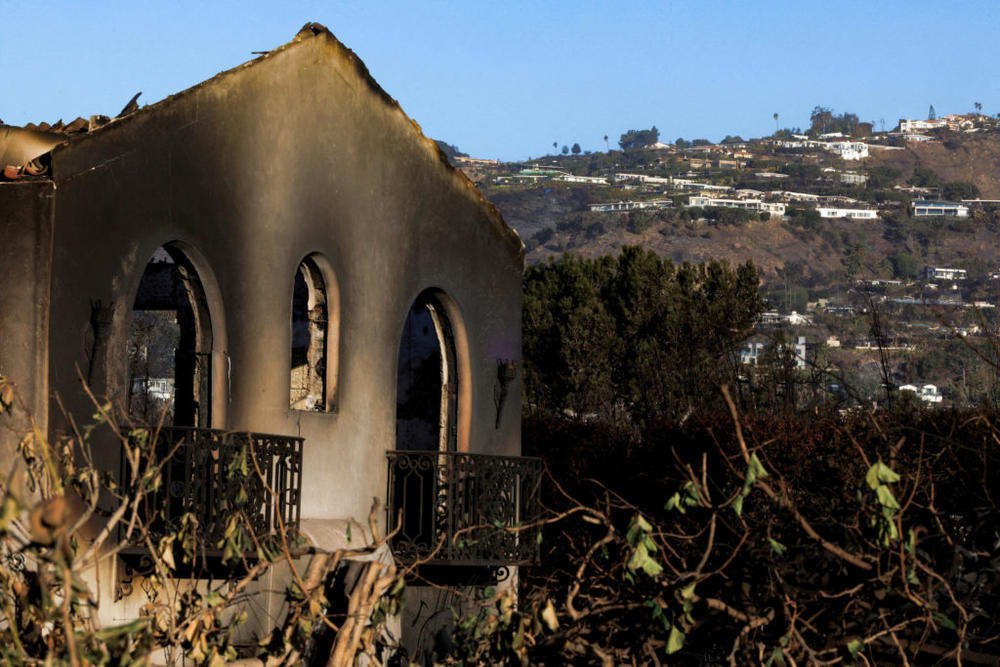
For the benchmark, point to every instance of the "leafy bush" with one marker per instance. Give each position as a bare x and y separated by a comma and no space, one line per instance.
748,540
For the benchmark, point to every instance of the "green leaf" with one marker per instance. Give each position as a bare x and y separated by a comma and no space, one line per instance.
879,474
885,497
675,642
944,621
777,546
687,593
674,503
639,557
348,533
640,560
636,529
755,469
777,657
738,505
652,568
214,599
854,647
886,474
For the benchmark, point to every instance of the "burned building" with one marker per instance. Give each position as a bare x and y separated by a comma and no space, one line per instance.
277,250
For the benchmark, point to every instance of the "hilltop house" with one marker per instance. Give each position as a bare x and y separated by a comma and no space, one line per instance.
277,250
952,122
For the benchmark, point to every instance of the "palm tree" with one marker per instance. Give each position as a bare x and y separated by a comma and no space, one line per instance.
555,146
607,148
775,122
979,107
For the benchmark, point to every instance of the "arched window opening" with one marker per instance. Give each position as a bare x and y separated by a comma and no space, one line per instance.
310,333
427,380
170,344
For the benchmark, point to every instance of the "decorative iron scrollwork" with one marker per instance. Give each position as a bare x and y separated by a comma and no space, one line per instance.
211,475
459,508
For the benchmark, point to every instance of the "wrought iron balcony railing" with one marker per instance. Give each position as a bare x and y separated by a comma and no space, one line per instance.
210,473
464,509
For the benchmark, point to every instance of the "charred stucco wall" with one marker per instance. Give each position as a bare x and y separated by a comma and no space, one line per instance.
295,153
25,256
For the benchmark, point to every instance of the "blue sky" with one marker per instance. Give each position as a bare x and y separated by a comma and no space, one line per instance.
506,79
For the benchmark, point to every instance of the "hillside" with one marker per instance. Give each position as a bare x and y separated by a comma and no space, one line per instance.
962,157
553,217
833,239
771,244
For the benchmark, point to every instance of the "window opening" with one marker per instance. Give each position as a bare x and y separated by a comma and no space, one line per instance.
169,344
310,321
426,380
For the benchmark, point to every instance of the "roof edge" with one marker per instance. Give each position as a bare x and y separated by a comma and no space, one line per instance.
311,30
314,30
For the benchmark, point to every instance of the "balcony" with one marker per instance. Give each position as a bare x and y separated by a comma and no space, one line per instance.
210,474
454,508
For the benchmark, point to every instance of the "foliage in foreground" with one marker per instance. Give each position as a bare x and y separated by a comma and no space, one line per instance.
48,611
859,539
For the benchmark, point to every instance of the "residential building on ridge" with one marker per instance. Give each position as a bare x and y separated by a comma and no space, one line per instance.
925,207
932,273
747,204
854,213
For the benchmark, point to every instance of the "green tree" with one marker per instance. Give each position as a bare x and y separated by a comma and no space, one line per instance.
680,143
904,265
820,119
565,150
923,177
634,139
576,149
632,337
449,150
882,177
959,190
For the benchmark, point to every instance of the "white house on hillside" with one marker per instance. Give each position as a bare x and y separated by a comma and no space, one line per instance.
938,273
854,213
747,204
925,207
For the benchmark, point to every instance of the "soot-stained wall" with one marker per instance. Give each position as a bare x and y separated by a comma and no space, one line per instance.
295,153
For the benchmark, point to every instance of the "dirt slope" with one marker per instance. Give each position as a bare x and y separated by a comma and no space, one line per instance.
969,157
